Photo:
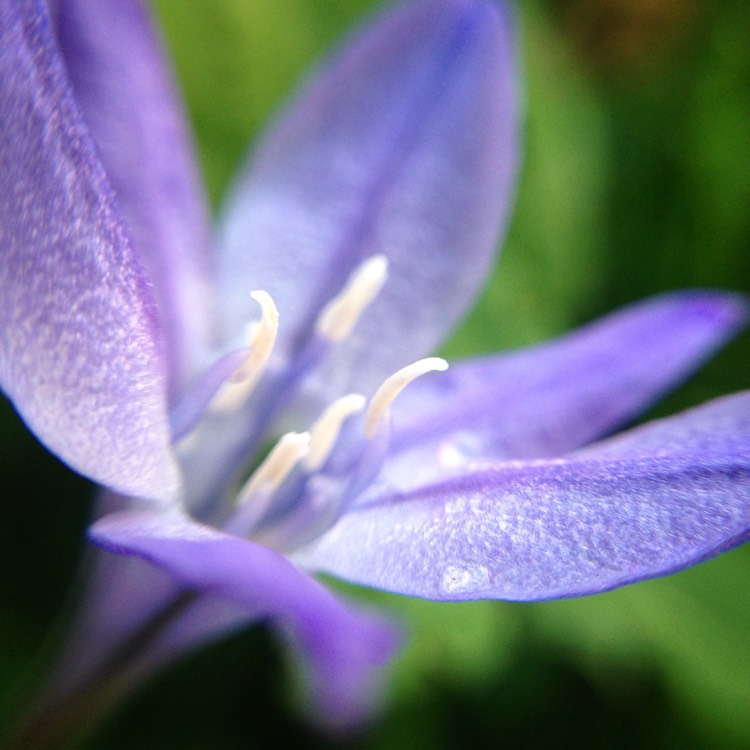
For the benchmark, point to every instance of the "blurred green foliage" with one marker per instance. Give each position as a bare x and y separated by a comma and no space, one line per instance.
636,179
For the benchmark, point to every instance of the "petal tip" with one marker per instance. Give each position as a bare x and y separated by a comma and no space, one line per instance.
728,309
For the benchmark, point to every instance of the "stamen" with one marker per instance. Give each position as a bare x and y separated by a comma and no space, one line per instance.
326,430
276,467
393,385
262,337
341,314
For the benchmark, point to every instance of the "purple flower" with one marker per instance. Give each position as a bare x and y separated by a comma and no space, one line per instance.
356,236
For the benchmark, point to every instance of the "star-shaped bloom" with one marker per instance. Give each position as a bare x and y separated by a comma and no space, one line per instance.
239,461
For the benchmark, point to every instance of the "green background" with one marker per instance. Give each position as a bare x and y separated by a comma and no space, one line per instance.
636,180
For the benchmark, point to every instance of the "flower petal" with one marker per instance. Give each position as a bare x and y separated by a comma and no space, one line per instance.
674,494
80,354
550,399
342,645
404,144
124,88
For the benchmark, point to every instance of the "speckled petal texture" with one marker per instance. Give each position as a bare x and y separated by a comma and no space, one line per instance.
80,353
123,85
655,501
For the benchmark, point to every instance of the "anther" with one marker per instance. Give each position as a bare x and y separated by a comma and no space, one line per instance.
393,385
340,315
276,467
262,339
328,426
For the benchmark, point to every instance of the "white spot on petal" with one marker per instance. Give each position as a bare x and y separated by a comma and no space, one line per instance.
459,579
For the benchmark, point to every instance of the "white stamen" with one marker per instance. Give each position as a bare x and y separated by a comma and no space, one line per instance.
341,314
328,426
393,385
262,337
276,466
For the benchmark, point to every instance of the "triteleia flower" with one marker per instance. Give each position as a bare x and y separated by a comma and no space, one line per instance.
238,460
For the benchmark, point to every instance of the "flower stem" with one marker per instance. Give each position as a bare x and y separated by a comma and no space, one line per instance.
59,721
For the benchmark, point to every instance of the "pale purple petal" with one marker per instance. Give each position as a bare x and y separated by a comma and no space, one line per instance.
80,352
124,88
669,497
556,397
342,645
404,144
721,425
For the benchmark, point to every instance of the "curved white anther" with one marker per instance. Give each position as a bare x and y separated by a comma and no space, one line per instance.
326,429
340,315
262,337
393,385
275,468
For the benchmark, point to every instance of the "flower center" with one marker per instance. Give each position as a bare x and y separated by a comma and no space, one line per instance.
301,486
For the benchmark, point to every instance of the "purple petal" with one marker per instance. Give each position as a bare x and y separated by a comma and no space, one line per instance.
550,399
404,144
342,645
80,354
718,426
124,88
673,494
